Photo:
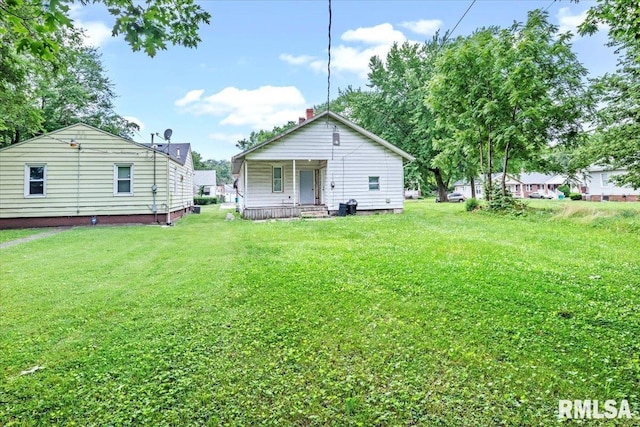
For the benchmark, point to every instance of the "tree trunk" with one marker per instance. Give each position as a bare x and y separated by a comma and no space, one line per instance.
489,184
504,169
442,187
473,187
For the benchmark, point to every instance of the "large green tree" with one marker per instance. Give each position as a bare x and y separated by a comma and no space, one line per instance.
147,26
508,94
42,97
616,140
394,108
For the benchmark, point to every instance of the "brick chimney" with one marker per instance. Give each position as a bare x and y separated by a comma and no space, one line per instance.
309,113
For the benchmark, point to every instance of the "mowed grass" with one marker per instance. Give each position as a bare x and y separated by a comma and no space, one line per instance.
433,317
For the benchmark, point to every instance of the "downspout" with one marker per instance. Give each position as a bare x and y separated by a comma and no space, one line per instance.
294,183
168,190
78,185
245,185
154,187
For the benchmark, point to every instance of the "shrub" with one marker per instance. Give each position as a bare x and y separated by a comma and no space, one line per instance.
471,204
565,190
505,203
205,200
575,196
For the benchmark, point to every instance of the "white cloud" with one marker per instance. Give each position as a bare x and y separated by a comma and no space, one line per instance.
568,22
226,138
382,34
96,33
135,120
353,59
425,27
297,60
261,108
191,96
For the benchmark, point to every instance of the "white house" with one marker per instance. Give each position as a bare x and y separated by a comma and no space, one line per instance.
520,185
205,179
320,164
600,187
81,175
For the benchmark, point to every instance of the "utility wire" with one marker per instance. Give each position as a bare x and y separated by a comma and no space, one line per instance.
552,2
460,20
329,62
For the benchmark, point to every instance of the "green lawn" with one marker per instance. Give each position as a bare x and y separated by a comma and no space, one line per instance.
434,317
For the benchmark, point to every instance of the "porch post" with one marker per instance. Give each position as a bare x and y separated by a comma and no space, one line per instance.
294,182
246,184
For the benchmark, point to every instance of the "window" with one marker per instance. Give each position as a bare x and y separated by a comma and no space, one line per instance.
605,179
277,179
123,179
478,189
529,187
374,183
35,180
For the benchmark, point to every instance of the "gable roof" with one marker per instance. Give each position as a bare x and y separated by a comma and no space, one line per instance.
172,151
177,152
236,160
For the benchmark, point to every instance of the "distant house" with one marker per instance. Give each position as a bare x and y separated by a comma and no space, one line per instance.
600,187
323,162
205,180
520,185
227,192
81,175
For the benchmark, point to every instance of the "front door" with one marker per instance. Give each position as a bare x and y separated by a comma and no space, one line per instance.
306,188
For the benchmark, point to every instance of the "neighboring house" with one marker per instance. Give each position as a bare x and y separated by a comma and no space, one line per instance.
228,192
205,179
600,187
520,185
80,175
323,162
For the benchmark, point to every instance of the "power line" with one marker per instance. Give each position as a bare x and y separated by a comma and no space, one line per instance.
329,62
460,20
552,2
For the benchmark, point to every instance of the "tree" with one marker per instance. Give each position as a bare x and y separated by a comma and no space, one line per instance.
616,139
43,98
508,94
147,26
394,108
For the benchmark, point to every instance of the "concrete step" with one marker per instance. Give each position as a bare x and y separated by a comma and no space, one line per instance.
315,214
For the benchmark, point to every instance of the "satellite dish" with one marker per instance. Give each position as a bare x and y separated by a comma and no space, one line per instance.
167,134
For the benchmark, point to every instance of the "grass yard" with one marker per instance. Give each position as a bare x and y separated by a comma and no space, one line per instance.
436,317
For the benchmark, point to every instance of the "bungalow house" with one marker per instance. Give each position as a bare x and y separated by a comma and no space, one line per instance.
204,180
80,175
520,185
600,187
321,163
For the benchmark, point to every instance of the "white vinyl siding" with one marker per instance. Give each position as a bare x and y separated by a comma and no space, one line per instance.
35,180
81,181
348,168
123,180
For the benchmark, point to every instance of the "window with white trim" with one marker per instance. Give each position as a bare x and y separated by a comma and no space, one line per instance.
529,187
35,180
374,183
123,179
277,175
605,179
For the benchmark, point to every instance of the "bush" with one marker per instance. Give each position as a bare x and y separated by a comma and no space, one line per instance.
205,200
565,190
575,196
471,204
505,203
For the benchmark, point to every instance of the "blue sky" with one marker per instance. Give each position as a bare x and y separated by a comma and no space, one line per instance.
262,63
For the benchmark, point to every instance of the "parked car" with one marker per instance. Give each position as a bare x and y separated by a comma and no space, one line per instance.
539,195
453,197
